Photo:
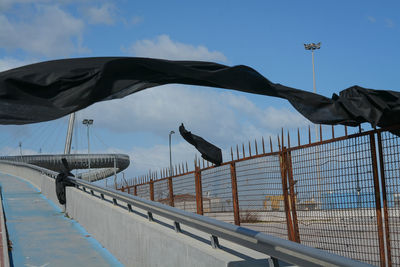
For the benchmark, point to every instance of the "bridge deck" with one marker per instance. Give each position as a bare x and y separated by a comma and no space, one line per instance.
40,233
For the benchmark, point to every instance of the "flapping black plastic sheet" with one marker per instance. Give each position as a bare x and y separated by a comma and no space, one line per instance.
49,90
208,151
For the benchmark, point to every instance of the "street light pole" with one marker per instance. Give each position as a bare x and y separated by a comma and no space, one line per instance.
88,122
313,47
20,148
170,154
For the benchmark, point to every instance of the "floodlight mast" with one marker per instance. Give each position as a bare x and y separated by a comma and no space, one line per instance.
88,122
312,47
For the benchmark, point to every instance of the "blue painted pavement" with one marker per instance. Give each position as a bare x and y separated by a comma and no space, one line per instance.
41,234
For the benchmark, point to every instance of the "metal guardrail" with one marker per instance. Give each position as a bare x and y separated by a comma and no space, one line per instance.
274,247
284,250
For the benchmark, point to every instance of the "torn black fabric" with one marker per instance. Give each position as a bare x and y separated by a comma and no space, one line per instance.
62,181
52,89
208,151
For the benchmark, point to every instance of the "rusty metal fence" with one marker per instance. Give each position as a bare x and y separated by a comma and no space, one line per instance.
341,195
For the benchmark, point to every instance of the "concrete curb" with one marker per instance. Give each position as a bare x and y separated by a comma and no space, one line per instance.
4,258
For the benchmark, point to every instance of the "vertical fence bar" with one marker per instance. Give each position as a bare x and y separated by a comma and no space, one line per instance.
235,198
384,199
135,190
377,199
292,197
199,191
151,186
171,192
285,194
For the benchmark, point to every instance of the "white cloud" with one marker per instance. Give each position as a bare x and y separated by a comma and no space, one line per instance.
221,117
101,15
10,63
156,157
371,19
49,32
136,20
165,48
389,23
14,151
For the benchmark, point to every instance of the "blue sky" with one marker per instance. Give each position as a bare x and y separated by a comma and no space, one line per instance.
360,41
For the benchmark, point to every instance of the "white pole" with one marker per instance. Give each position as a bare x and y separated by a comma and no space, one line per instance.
315,91
88,140
70,131
170,153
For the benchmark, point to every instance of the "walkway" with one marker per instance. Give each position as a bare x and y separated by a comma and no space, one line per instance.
40,233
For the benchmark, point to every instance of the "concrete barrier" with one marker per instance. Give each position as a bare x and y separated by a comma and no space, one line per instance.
44,183
4,258
131,237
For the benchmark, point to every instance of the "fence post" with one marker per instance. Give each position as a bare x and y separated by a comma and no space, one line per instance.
129,189
171,192
283,167
384,199
151,185
377,199
135,190
235,198
199,191
292,196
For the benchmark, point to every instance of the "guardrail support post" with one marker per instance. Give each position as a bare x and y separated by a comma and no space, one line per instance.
199,191
177,227
150,216
273,262
135,190
214,242
235,198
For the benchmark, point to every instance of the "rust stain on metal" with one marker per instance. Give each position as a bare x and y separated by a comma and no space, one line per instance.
384,199
288,162
151,185
289,222
171,192
235,198
199,192
377,200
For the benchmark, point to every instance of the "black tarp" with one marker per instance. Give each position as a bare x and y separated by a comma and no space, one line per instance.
62,181
49,90
208,151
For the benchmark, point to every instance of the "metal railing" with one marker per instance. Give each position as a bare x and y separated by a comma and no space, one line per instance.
339,194
274,247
